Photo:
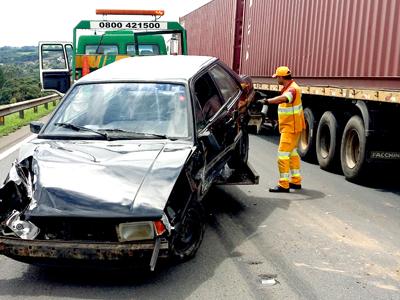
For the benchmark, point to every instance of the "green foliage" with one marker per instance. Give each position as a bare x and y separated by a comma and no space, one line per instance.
19,74
21,89
2,78
13,122
17,55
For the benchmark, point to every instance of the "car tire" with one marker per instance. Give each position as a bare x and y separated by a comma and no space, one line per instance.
353,149
240,154
306,147
189,233
327,142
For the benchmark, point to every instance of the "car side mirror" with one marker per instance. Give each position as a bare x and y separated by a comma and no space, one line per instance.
36,126
259,95
209,140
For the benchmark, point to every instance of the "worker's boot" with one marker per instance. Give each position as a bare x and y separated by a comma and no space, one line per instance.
295,186
279,189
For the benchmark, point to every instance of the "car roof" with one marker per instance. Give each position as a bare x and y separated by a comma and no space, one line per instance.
151,68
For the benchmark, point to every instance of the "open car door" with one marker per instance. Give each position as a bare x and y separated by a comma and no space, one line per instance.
55,65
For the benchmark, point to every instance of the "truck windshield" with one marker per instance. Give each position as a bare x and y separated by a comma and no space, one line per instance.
150,109
143,49
101,49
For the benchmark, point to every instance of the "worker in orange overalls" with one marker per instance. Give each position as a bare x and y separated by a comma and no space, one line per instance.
291,124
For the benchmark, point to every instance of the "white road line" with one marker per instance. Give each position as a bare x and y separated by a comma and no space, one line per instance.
14,148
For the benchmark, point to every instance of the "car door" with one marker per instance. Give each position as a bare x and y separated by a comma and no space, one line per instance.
55,66
230,91
216,97
207,97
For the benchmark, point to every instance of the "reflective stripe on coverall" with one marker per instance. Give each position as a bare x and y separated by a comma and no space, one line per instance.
288,159
291,124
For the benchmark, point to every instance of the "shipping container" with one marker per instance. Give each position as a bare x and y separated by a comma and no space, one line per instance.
344,54
211,30
325,42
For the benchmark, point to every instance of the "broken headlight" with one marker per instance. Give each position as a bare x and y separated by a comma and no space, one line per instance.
24,229
135,231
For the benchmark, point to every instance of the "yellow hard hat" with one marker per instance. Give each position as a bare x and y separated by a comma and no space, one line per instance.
282,71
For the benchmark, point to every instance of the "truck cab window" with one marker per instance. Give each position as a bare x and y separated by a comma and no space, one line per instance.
53,57
70,53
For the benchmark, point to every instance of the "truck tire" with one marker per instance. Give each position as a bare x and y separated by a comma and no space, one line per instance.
240,155
327,142
353,149
306,147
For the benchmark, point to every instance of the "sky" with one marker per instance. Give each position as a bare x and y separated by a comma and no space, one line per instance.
26,22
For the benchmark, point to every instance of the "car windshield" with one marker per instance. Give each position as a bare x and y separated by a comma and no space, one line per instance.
122,110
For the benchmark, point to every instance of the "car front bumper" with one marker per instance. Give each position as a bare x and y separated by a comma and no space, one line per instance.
52,252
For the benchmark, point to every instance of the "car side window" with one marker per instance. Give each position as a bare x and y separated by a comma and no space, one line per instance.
226,83
207,95
198,114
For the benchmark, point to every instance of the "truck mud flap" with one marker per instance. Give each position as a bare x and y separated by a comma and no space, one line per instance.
243,176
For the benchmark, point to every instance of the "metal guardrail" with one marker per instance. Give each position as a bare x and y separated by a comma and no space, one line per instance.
23,105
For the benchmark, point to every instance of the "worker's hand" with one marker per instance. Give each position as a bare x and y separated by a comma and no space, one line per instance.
262,101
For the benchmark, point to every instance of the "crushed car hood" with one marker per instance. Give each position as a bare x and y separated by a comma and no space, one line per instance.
103,179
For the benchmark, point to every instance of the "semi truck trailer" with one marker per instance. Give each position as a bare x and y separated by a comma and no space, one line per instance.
345,55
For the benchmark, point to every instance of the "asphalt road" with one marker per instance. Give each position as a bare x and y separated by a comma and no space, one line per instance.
332,240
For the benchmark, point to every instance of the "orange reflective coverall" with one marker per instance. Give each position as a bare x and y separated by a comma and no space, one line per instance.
291,124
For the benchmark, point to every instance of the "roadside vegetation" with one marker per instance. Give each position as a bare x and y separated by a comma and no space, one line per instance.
19,81
13,122
19,74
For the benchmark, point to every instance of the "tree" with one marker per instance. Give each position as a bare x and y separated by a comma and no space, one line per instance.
2,78
19,74
5,95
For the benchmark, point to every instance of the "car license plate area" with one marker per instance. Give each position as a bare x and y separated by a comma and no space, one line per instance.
78,251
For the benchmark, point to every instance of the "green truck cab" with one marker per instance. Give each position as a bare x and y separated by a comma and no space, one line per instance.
97,43
121,42
101,50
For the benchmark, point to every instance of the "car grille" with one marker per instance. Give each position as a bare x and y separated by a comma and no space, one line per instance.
75,229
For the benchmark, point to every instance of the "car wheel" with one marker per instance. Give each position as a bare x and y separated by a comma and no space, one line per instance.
241,153
189,233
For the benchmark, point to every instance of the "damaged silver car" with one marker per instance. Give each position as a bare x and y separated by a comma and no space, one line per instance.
119,171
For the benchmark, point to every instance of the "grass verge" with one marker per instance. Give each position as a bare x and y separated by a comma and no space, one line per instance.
13,122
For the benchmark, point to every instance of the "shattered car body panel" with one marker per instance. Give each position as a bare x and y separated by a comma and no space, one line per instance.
107,186
120,169
97,179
